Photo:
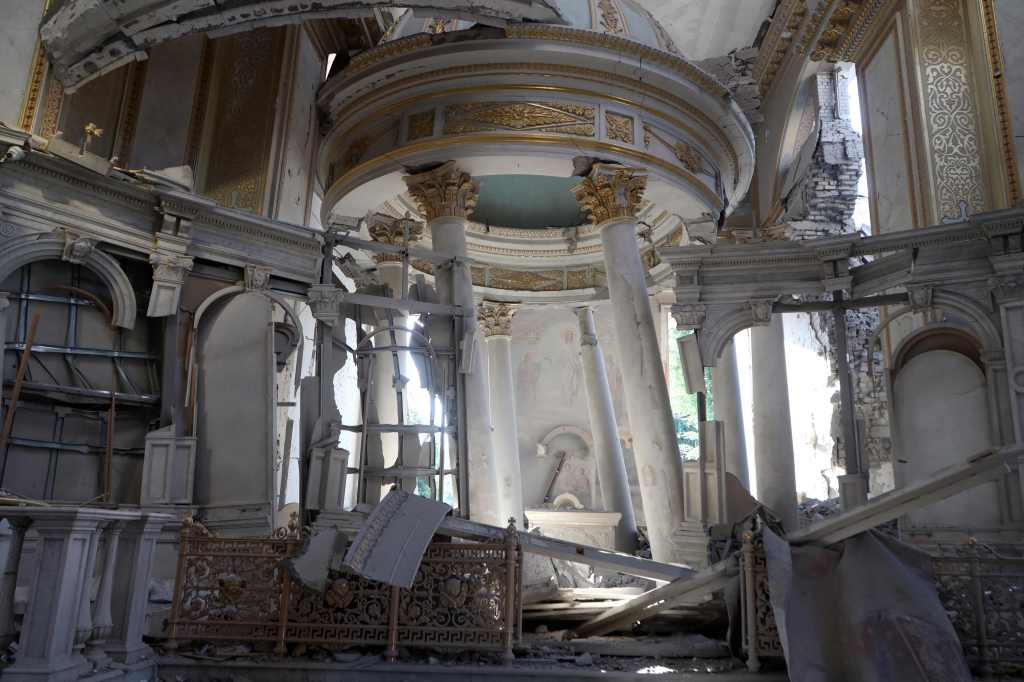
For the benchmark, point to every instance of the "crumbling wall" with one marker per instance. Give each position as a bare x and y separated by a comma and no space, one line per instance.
820,203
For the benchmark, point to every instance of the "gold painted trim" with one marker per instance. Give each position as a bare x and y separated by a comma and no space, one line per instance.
332,196
1005,122
374,117
33,89
582,73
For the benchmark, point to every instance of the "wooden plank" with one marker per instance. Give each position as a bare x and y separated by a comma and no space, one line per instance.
705,582
19,378
981,468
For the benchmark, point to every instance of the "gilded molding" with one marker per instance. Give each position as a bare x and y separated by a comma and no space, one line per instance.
550,117
814,24
444,191
388,50
421,125
619,127
620,45
848,24
1005,121
496,318
950,109
33,89
785,26
709,127
50,121
611,191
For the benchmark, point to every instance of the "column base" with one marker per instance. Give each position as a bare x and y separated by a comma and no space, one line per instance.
64,669
853,491
691,541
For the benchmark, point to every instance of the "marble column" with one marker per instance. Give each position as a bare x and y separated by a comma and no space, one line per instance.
103,621
446,196
728,409
773,434
611,195
496,324
388,380
611,466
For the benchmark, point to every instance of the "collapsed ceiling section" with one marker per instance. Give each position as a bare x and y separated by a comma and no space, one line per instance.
85,38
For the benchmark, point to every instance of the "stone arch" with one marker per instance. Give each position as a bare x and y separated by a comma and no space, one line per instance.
26,249
721,332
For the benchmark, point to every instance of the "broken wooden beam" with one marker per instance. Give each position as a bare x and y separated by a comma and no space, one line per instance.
621,617
980,468
550,547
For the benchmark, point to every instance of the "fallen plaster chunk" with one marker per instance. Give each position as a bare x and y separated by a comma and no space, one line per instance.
390,545
313,563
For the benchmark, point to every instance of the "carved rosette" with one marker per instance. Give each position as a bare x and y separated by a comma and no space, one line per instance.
443,192
611,191
391,231
496,318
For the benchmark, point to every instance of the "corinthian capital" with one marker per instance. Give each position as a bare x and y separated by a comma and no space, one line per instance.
496,318
444,191
611,191
384,229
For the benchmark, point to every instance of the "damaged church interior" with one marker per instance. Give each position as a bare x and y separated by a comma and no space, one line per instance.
514,339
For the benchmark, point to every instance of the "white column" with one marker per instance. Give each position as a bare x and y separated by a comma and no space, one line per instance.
387,383
446,196
496,324
611,466
83,631
134,563
103,621
728,409
773,434
611,194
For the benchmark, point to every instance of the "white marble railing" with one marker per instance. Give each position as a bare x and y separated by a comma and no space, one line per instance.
65,634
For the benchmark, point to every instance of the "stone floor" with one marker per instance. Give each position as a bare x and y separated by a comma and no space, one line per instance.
373,669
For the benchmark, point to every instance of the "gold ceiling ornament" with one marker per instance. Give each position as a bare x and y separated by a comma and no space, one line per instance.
421,125
385,229
611,191
443,191
496,318
553,117
619,127
847,27
689,157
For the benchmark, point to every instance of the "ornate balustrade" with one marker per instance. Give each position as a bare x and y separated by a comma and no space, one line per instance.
465,596
66,634
980,588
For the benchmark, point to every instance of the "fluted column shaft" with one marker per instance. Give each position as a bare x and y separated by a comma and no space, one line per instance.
496,325
611,466
773,433
728,408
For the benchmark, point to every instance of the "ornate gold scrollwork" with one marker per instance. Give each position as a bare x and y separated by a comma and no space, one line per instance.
611,191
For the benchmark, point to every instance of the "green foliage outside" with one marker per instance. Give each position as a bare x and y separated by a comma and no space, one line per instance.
684,405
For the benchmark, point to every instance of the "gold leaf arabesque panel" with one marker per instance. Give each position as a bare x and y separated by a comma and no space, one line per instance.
245,78
548,117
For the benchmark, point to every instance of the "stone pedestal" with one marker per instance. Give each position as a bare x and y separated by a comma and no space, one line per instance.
131,588
611,466
611,194
9,580
168,468
773,433
597,529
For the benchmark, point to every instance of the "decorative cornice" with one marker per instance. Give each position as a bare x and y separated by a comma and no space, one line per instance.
998,71
610,191
496,318
848,24
443,191
789,16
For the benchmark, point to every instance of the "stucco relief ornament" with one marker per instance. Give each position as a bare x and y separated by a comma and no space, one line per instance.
257,277
496,318
170,268
325,302
689,316
445,191
385,229
77,249
761,311
920,297
611,191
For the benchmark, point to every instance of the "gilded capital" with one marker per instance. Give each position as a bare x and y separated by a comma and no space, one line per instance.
611,191
496,318
384,229
443,192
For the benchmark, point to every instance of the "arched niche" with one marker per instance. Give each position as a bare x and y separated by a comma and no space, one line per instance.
233,369
942,417
26,249
578,473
